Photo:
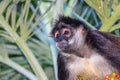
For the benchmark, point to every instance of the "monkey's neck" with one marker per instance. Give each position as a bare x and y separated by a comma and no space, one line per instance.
84,52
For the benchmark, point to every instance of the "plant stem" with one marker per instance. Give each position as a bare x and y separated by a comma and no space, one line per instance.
32,60
25,49
20,69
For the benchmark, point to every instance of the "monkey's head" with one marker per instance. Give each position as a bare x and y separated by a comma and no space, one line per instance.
69,34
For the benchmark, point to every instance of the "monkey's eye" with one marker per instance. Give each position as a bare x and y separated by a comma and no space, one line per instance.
66,32
57,35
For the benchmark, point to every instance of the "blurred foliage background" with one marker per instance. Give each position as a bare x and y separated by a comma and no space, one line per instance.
26,51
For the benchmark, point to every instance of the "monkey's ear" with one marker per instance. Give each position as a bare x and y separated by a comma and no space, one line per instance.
83,29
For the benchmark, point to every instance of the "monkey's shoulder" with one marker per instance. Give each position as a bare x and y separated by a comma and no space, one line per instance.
98,38
113,38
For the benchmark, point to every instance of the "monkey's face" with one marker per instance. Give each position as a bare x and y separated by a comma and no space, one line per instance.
67,38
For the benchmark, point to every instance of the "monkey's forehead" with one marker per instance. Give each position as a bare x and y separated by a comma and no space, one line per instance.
68,21
74,23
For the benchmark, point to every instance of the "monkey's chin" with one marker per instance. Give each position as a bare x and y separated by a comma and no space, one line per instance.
62,49
65,50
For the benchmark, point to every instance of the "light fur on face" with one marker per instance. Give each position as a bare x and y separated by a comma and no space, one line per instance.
78,39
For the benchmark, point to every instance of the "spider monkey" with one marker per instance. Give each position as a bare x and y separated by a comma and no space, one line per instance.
84,52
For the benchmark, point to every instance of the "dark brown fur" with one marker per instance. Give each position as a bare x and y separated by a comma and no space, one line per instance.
107,44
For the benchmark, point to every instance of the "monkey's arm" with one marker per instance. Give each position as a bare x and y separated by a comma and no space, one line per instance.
62,70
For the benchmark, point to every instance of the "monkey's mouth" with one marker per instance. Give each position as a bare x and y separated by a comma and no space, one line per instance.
62,46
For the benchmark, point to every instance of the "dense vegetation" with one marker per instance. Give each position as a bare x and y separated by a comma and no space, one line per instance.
26,51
